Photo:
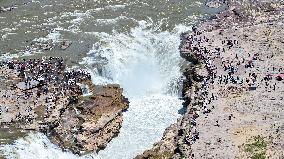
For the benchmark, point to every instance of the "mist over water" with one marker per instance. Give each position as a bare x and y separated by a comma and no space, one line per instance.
146,64
135,44
144,61
36,146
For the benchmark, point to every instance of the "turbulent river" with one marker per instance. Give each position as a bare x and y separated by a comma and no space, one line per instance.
132,43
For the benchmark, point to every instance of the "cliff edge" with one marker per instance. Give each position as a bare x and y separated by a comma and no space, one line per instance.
233,89
43,95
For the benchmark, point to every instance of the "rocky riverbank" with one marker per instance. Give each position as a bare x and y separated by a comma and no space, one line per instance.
233,91
43,95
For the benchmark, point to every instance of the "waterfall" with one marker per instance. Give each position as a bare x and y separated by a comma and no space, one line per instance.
146,63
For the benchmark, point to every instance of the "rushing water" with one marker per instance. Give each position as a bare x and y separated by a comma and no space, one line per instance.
146,64
133,43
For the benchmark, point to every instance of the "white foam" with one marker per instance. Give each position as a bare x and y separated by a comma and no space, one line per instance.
35,146
115,7
140,57
110,21
110,7
78,18
8,56
144,124
145,63
53,36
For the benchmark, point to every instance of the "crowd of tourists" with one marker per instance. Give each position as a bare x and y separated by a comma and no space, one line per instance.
37,81
227,72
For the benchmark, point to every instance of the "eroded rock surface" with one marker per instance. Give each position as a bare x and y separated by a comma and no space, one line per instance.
40,95
233,92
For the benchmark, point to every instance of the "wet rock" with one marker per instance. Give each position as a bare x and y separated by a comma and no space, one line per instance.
94,121
65,44
46,46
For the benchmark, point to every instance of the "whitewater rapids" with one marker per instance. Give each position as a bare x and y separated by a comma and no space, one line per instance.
146,63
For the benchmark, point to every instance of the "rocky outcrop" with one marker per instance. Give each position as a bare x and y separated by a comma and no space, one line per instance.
93,121
204,48
41,95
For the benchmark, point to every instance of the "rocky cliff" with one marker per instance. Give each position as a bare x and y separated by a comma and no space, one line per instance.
42,95
232,94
